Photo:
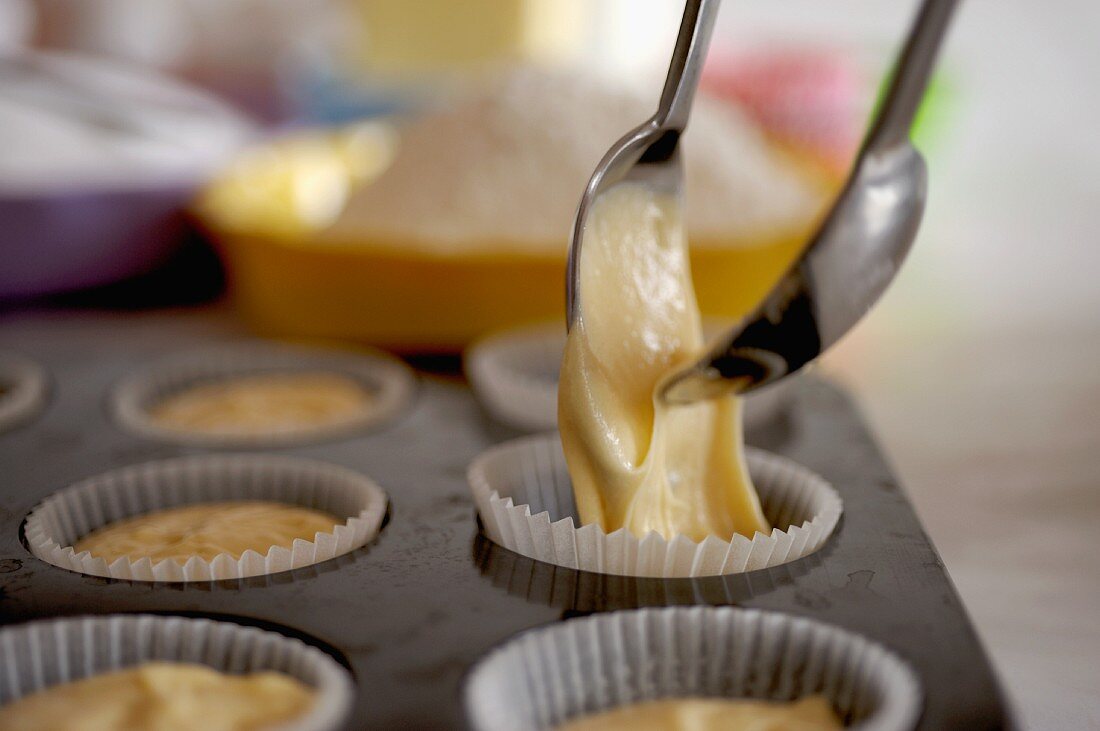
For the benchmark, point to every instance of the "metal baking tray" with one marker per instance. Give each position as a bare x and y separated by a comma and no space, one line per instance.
411,612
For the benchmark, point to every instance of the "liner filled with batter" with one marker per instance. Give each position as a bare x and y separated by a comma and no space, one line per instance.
261,395
551,676
207,518
159,671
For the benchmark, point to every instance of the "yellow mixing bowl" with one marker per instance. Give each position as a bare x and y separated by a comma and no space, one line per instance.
266,211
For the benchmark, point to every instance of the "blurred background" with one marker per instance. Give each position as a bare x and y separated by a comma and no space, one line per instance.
222,155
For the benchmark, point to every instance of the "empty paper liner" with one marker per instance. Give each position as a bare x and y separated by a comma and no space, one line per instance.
514,374
23,389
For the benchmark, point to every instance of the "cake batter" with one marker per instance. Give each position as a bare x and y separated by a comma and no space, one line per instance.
264,403
161,696
635,462
812,713
206,530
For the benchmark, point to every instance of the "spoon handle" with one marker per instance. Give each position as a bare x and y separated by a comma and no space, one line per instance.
911,74
687,63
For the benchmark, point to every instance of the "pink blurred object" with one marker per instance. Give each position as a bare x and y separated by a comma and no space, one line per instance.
814,101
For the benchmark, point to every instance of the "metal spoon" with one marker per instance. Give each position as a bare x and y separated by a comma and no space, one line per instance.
650,152
853,257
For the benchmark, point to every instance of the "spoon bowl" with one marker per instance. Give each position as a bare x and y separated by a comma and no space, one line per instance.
854,255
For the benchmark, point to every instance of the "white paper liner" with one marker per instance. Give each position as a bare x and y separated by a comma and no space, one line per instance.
525,500
390,382
25,387
546,676
44,653
514,374
56,523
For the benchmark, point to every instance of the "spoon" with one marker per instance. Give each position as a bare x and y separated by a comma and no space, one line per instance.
855,253
849,262
649,154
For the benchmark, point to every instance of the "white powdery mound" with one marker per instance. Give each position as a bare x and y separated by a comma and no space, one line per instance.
506,167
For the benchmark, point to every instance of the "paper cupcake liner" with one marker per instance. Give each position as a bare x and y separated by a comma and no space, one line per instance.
390,382
514,375
525,500
56,523
547,676
23,389
537,582
44,653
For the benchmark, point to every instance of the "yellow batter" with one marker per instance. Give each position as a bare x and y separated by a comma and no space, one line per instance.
206,530
634,462
264,403
162,696
712,714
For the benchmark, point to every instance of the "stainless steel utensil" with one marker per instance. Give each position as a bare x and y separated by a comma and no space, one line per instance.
650,152
853,257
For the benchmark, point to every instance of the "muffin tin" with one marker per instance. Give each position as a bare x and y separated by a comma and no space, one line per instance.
414,610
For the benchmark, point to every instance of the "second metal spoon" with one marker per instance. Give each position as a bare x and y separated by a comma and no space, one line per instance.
855,254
